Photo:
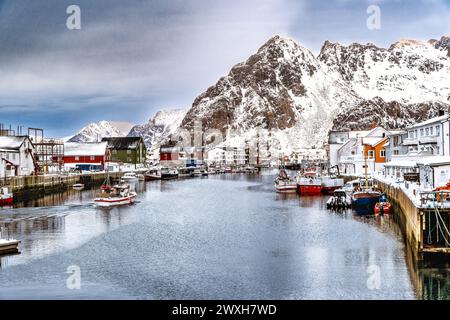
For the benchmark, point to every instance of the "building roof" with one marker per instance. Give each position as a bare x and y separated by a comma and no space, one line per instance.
401,163
373,141
434,161
123,143
11,142
85,149
430,121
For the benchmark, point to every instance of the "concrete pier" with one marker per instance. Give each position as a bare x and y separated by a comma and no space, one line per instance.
415,226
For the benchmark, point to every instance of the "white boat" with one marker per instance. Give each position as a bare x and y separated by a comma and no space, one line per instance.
339,200
130,176
284,183
78,186
7,244
118,195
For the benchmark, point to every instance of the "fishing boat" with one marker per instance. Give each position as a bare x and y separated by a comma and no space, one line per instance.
284,183
339,200
152,175
117,195
6,197
309,183
78,186
197,173
330,184
169,174
364,200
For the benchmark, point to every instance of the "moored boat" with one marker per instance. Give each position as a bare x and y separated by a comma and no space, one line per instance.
284,183
6,197
330,184
152,175
78,186
382,208
309,184
169,174
339,200
130,176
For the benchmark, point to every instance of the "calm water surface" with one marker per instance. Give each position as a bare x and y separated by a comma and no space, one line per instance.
222,237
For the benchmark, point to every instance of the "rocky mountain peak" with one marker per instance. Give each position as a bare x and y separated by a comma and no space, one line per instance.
443,44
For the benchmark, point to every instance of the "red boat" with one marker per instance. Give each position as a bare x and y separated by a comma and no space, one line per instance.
6,198
309,184
382,208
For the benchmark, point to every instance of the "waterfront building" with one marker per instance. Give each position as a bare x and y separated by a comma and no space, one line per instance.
88,156
173,156
131,150
17,156
363,148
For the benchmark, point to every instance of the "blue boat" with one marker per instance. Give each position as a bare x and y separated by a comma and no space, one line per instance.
364,201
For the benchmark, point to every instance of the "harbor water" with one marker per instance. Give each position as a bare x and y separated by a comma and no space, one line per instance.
217,237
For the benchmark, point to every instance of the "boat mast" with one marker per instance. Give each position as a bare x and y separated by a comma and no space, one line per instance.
366,170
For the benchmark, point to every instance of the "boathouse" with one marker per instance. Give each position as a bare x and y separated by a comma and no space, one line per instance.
131,150
17,156
88,156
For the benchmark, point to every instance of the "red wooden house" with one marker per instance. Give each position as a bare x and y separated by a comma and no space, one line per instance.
84,155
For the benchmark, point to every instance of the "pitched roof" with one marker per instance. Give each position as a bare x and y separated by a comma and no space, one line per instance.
11,142
123,143
85,149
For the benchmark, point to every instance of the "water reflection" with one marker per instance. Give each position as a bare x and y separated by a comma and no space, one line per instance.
183,238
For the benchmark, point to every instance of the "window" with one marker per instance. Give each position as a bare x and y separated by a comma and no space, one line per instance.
77,158
438,130
421,132
427,131
415,133
92,158
129,159
431,131
411,134
371,154
114,152
383,153
437,150
128,151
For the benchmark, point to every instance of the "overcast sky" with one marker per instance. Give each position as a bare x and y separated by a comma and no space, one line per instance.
132,58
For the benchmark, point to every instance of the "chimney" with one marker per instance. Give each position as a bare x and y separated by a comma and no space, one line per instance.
374,125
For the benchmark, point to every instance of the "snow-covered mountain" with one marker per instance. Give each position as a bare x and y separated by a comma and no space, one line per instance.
158,129
102,129
293,98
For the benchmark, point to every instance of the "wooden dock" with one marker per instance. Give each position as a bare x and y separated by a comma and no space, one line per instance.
25,187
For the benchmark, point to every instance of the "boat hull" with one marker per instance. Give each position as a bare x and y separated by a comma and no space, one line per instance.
112,202
6,201
292,188
152,177
365,203
382,208
310,189
169,176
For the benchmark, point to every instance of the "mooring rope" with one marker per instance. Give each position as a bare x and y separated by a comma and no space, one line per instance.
440,220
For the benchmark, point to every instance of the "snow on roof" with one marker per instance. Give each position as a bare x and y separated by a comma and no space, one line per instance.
430,121
401,163
373,141
11,142
85,149
434,161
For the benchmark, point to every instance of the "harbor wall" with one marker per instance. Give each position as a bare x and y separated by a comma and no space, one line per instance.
32,187
408,215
